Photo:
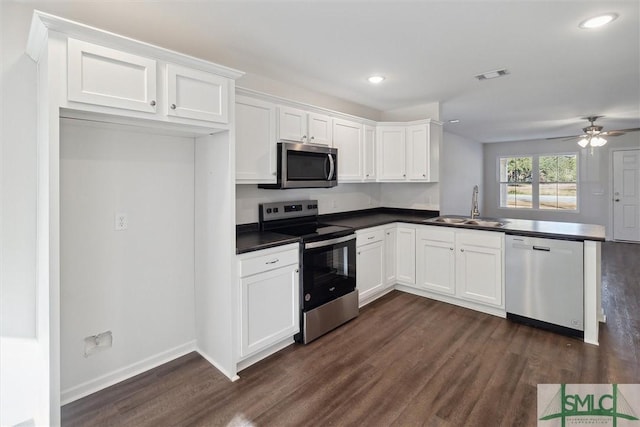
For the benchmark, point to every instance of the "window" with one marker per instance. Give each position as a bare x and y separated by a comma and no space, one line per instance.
515,182
558,182
548,182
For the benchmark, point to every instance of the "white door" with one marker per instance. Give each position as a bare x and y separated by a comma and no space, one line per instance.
370,267
418,152
255,141
292,124
102,76
391,153
626,195
369,153
320,129
479,274
406,256
435,265
347,138
195,94
390,255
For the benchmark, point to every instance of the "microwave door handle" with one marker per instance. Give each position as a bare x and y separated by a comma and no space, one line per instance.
331,167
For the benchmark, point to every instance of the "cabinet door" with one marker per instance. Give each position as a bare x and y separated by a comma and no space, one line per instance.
479,274
370,267
418,152
195,94
369,153
390,256
292,124
435,265
391,153
406,255
255,141
269,309
320,129
347,138
102,76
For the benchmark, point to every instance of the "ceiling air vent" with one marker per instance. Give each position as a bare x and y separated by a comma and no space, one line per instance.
492,74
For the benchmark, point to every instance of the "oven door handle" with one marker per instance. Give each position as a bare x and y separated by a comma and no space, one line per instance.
323,243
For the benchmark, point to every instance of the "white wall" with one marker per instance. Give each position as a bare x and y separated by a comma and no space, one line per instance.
18,179
139,282
429,110
344,197
594,175
410,195
460,169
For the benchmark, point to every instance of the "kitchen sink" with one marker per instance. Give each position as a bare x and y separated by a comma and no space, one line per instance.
480,222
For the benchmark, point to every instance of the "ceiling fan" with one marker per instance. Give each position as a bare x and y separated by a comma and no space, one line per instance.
593,135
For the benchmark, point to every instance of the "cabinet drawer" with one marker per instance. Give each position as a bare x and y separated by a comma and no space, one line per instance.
262,261
369,237
486,239
438,234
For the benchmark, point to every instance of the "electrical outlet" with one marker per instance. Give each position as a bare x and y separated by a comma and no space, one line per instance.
121,221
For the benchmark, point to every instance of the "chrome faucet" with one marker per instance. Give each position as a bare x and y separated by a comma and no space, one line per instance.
475,212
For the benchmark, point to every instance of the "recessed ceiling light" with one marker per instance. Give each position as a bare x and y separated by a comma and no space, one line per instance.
375,79
454,121
492,74
598,21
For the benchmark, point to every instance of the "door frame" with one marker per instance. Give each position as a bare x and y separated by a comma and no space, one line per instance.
610,222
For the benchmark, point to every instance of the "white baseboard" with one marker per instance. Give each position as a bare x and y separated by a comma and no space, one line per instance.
77,392
232,377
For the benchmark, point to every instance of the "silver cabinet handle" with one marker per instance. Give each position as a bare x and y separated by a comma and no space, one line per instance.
272,262
297,271
372,237
173,106
313,137
450,249
461,250
424,175
359,253
404,175
153,103
616,200
304,137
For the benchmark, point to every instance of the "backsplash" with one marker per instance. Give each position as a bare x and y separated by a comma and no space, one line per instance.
344,197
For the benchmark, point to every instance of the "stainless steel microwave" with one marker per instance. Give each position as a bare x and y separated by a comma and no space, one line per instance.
305,166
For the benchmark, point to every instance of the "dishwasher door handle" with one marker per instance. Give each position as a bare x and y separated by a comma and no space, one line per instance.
541,248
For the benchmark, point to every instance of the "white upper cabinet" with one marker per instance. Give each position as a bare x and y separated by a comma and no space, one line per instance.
106,77
347,138
320,129
195,94
102,76
292,124
410,152
369,153
391,153
255,141
301,126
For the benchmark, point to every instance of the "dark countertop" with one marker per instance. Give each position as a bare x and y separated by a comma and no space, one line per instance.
250,239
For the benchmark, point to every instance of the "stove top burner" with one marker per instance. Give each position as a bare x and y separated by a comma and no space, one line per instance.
298,218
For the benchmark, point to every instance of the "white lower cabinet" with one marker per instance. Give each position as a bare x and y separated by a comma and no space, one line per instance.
435,260
406,255
370,262
269,299
479,267
459,266
390,256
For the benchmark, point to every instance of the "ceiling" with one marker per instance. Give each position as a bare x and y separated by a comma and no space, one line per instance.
429,51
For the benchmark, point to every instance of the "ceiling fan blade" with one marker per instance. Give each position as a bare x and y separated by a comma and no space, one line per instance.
565,138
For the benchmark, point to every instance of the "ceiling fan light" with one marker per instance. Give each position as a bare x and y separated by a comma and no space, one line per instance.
583,142
598,141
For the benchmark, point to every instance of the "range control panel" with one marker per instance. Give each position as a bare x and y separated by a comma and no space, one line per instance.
287,210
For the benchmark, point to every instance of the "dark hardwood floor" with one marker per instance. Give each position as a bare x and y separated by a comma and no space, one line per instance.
404,361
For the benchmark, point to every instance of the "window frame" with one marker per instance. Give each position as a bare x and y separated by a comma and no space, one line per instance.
535,182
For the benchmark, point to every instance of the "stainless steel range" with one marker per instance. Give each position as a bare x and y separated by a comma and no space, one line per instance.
328,296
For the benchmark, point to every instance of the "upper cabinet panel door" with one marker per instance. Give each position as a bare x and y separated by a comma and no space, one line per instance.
292,124
347,138
255,141
418,152
195,94
369,153
391,153
112,78
320,129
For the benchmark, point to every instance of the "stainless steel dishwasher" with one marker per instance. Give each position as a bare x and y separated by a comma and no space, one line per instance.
544,283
